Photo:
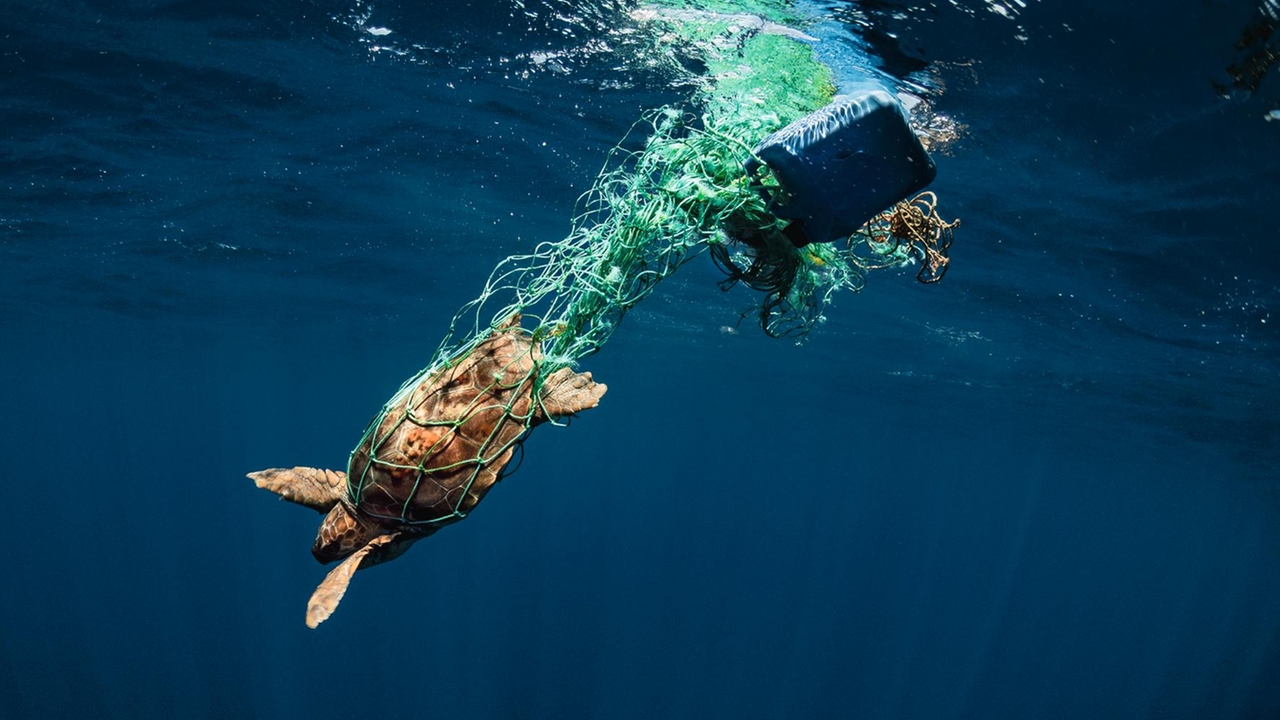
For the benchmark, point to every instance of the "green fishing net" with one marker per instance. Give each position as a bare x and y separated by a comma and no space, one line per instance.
683,192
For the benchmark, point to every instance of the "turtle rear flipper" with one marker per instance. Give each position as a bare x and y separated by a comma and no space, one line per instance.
327,596
318,489
565,392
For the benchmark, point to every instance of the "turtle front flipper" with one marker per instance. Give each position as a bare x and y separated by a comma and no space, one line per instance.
378,550
318,489
566,392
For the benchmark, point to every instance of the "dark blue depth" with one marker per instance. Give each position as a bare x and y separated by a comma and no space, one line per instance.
1042,488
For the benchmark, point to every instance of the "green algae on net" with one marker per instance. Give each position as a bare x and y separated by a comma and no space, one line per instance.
507,362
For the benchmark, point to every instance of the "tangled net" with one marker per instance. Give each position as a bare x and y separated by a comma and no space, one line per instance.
649,212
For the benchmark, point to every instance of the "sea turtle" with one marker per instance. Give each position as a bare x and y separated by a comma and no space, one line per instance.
430,456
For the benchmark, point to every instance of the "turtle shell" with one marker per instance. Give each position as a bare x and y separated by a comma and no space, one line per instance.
433,453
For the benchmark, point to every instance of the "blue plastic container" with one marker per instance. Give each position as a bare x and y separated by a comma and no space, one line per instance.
844,164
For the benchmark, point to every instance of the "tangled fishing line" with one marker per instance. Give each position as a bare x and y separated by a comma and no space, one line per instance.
684,192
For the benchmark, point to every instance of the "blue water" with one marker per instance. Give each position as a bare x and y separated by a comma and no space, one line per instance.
1043,488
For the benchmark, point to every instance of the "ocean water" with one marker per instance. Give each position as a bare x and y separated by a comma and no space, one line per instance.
1045,487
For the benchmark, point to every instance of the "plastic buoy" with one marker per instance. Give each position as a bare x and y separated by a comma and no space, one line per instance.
843,165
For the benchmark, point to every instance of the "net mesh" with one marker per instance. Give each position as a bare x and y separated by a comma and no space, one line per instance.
443,441
649,211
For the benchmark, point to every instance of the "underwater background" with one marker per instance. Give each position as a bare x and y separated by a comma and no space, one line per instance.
1045,487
